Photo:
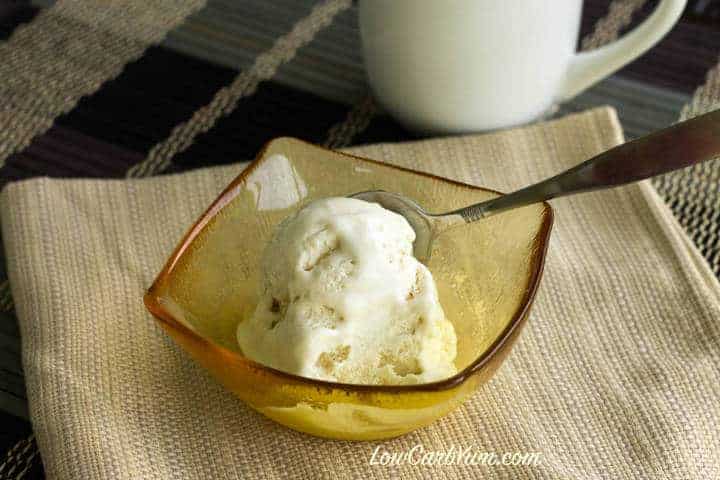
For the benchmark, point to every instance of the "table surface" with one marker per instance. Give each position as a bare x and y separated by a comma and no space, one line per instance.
105,134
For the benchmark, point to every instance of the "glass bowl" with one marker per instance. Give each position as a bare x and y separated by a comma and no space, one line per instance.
487,274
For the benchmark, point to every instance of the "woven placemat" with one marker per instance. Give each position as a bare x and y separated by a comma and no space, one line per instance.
615,375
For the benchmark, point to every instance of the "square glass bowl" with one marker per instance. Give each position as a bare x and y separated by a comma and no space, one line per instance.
487,274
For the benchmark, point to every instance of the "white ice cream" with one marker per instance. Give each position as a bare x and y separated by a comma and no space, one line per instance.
343,299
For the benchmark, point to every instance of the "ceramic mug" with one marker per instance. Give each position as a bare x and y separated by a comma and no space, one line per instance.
456,66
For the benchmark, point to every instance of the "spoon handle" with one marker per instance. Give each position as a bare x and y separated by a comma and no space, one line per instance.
681,145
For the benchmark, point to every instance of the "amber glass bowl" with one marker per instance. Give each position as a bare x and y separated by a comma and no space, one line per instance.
487,274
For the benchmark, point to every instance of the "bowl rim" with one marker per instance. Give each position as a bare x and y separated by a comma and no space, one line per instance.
541,242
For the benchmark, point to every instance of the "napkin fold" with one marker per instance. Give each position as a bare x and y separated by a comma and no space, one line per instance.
615,376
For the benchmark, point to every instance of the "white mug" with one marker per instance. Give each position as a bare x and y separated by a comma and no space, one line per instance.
454,66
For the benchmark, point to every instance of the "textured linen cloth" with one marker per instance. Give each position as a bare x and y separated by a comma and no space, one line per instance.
615,375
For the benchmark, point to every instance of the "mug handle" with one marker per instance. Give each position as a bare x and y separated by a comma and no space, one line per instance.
588,68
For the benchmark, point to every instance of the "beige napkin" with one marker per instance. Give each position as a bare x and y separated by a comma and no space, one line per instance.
615,376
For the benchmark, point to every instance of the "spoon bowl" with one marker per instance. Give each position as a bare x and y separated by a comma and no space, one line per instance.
421,221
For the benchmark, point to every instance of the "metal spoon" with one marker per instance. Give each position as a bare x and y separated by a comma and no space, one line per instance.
681,145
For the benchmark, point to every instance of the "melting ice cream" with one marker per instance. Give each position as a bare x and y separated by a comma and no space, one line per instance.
343,299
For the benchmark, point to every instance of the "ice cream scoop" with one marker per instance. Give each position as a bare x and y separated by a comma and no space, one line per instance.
343,299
